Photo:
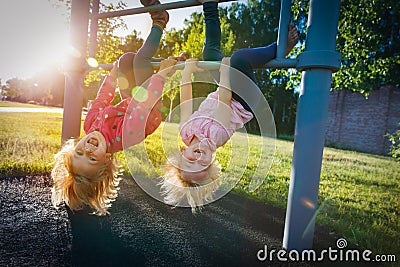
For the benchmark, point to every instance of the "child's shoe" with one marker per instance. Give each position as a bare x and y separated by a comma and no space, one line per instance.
153,14
150,2
160,18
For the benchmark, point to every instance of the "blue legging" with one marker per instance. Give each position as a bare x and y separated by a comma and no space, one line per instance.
142,62
243,60
212,40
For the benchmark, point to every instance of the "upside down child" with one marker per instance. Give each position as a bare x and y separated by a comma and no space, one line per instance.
85,171
192,174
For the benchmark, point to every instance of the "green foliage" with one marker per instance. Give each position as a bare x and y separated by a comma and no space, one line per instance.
171,90
195,35
228,37
369,41
395,144
254,23
191,38
172,43
131,43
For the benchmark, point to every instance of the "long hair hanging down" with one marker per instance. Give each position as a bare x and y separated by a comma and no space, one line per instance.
76,190
175,189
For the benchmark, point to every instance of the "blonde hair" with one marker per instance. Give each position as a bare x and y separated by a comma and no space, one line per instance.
77,190
176,189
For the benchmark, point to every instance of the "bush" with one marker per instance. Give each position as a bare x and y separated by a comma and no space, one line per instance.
395,147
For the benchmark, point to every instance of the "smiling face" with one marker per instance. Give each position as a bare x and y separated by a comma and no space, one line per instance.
90,154
196,160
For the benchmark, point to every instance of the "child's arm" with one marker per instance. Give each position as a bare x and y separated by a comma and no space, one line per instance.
186,105
156,85
107,90
223,112
166,67
104,97
144,118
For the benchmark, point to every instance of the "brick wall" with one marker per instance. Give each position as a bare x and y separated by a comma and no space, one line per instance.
361,123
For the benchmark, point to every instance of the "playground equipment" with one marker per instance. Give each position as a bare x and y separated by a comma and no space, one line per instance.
317,63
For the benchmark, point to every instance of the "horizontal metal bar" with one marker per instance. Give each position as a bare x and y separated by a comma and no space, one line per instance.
140,10
214,65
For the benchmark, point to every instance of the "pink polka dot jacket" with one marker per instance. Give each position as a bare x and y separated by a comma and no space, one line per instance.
130,121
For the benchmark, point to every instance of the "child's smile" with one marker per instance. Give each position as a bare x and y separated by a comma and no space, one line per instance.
90,154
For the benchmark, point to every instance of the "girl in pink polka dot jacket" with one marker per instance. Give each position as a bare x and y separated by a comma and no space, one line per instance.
85,172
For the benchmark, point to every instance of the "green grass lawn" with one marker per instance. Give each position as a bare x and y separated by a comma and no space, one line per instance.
17,104
358,196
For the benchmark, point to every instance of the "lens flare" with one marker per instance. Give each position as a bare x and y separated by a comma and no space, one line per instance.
140,94
307,203
92,62
123,83
73,52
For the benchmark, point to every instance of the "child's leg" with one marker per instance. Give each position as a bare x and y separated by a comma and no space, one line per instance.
245,60
142,62
211,48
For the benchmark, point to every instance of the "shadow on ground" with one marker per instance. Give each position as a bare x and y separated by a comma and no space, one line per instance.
140,231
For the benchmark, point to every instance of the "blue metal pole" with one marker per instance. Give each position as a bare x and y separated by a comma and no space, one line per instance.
73,95
317,63
284,20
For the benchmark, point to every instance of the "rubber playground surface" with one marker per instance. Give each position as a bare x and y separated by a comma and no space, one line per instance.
140,231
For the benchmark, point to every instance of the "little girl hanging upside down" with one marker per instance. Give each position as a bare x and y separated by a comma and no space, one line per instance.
192,174
85,171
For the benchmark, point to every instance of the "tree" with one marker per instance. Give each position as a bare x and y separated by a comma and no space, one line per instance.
2,90
131,42
49,86
172,91
14,89
369,41
395,144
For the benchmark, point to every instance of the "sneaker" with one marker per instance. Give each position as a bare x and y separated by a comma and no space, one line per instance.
160,18
150,2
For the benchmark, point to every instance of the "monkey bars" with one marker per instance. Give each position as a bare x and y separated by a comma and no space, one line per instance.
317,64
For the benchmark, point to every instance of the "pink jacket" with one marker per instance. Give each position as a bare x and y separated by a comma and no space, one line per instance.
130,121
201,123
